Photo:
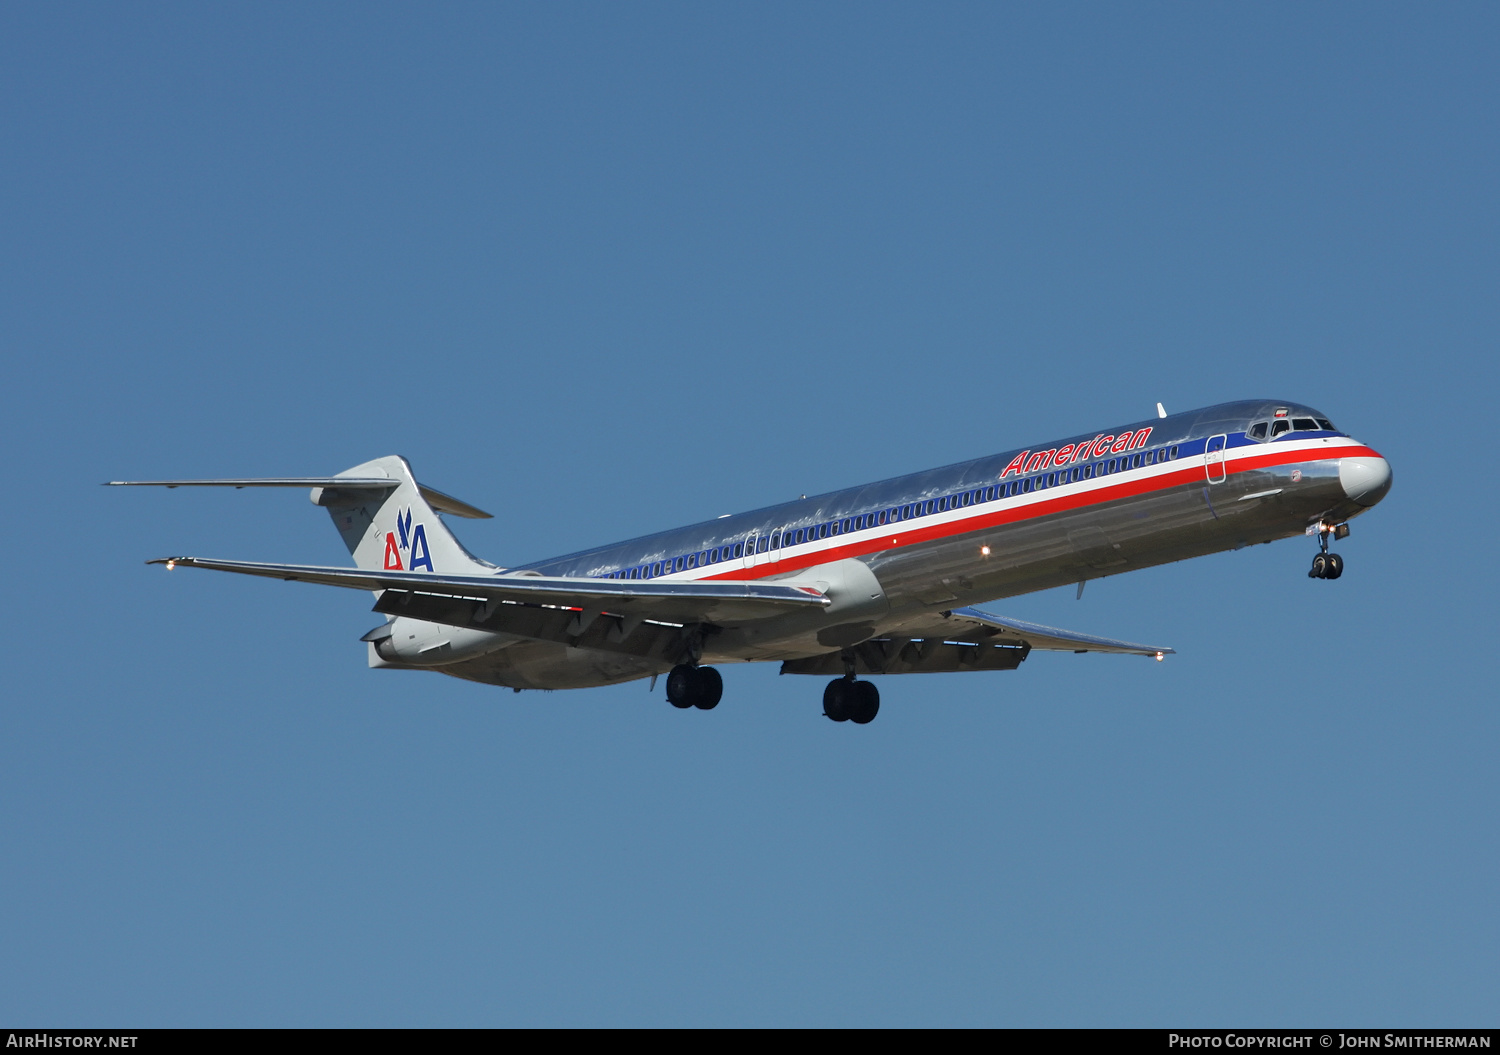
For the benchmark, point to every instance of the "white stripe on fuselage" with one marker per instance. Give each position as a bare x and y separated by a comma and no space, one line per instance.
963,513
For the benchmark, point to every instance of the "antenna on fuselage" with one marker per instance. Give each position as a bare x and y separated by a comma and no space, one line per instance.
1161,411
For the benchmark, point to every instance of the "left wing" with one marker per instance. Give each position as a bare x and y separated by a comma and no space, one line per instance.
974,625
959,640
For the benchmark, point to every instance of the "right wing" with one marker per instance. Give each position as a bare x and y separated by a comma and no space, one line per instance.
962,639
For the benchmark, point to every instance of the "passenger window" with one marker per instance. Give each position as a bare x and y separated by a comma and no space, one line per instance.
713,555
1278,427
1173,453
692,560
763,545
1258,431
739,549
775,540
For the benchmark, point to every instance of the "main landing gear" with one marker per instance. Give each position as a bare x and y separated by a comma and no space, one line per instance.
844,700
847,700
1328,565
699,687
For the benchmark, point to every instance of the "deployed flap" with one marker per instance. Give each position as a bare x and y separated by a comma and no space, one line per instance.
902,655
675,602
970,624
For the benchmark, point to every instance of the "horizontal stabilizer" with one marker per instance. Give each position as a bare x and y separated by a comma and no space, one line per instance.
676,602
435,498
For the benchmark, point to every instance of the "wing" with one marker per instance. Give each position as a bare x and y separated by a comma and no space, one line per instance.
971,624
481,600
959,640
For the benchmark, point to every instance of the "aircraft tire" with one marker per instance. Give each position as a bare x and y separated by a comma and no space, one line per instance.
708,688
838,699
681,684
1319,568
1335,566
866,703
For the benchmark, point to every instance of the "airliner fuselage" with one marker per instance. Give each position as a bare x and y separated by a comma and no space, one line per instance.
893,566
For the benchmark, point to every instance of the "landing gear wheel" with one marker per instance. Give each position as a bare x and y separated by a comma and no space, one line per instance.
1335,566
839,699
699,687
680,684
709,688
1320,567
866,703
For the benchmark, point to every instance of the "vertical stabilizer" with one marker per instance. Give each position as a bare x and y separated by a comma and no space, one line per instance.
396,529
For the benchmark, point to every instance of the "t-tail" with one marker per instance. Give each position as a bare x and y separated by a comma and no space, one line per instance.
386,518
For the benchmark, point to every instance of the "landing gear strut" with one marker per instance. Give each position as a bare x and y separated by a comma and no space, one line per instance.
847,700
1328,565
699,687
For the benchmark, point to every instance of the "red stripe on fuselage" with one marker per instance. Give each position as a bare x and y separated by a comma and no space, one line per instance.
901,537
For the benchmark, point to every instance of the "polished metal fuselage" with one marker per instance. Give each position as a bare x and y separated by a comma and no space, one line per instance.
901,570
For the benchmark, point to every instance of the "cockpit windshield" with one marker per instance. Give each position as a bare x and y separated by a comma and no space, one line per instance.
1283,424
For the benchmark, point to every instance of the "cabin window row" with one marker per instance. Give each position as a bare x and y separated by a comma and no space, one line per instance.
788,537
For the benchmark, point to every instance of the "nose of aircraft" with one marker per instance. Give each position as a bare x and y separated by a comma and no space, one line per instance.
1365,480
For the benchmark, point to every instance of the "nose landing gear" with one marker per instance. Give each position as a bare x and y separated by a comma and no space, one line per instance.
1328,565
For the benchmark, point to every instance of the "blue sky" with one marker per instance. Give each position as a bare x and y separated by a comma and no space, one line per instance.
604,269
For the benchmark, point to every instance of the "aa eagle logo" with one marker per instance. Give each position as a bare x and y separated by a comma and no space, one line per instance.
412,543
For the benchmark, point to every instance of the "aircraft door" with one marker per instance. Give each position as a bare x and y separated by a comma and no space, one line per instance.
1213,460
750,557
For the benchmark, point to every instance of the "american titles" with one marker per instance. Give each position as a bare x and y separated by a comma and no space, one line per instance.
1031,461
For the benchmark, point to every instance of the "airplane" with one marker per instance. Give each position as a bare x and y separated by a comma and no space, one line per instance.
866,581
